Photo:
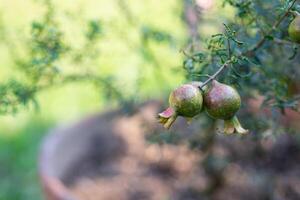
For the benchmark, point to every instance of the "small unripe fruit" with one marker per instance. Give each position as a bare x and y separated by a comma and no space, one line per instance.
294,29
222,102
185,101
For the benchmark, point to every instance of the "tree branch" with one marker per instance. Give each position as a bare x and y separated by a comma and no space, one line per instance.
276,24
255,48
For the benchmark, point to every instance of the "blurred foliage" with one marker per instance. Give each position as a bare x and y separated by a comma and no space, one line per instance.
50,57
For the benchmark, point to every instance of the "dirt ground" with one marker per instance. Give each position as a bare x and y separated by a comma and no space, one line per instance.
128,165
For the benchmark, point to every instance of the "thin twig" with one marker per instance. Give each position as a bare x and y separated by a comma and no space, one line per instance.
185,53
229,48
202,75
212,77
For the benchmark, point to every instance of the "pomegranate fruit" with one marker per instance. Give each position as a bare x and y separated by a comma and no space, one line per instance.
185,101
222,102
294,29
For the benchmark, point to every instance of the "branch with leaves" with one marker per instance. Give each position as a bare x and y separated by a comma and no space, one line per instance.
230,36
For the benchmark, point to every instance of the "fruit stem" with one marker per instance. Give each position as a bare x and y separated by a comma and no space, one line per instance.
212,77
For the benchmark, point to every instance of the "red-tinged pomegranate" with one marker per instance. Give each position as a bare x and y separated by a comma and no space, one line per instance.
185,101
222,102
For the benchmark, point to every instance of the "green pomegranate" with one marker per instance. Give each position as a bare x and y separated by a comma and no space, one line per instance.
222,102
294,29
185,101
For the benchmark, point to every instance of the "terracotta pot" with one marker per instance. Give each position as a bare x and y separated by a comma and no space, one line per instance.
64,146
59,150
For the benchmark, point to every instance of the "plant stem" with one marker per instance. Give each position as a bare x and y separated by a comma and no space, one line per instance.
212,77
229,48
